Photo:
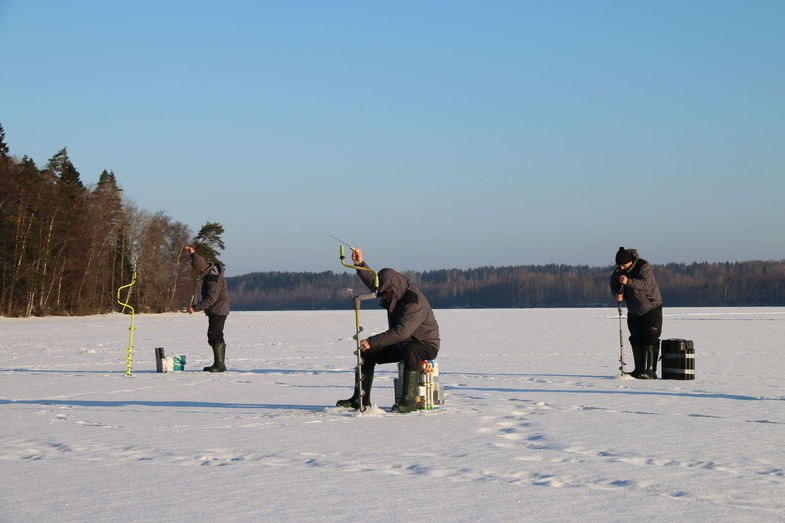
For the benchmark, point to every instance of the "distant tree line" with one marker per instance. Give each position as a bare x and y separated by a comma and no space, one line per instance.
66,248
748,283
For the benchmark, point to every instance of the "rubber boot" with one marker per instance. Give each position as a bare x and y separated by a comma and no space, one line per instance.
650,373
408,392
354,402
639,356
654,352
219,351
209,368
656,358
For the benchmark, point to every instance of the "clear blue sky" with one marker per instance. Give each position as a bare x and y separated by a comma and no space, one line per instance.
433,134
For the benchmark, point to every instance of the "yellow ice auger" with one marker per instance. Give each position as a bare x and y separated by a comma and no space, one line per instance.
130,352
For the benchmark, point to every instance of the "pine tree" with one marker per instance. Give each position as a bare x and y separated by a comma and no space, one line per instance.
3,146
208,242
66,241
102,272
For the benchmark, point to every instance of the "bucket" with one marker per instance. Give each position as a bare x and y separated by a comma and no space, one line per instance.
159,359
429,391
678,359
178,362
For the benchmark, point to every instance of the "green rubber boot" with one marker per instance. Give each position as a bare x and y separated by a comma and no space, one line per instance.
354,402
639,357
652,353
408,392
219,352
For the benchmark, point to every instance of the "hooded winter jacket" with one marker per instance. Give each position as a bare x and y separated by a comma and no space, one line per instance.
211,293
409,315
641,292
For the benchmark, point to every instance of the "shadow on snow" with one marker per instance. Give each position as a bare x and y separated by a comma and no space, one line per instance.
709,395
185,404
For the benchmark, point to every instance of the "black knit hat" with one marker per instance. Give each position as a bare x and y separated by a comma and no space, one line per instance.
623,256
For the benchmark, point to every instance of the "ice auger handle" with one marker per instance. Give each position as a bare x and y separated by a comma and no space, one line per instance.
342,257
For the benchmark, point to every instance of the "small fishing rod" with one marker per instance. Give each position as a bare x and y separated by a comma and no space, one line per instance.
342,242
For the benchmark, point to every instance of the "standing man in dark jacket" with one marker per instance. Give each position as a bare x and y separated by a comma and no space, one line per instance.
211,295
412,336
633,281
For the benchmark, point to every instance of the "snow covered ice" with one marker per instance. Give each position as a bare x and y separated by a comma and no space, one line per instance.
536,425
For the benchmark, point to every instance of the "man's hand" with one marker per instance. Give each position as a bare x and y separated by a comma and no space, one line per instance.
623,279
357,256
620,298
364,345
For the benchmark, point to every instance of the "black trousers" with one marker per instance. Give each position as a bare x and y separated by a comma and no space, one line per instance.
215,329
645,329
412,353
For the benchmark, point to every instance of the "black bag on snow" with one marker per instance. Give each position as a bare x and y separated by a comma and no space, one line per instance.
678,359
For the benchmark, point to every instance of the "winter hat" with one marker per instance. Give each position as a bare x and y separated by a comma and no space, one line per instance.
623,256
198,263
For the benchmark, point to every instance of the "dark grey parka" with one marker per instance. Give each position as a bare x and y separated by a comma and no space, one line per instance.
641,293
409,315
211,293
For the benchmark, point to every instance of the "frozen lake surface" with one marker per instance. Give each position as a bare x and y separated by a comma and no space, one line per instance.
537,425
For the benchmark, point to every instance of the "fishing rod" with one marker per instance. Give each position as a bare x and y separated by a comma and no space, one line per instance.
342,242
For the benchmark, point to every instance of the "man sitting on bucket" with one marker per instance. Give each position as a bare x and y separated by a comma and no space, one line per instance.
413,335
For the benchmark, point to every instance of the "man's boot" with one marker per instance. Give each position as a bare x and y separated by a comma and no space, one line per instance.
354,401
639,356
650,373
219,352
408,392
209,368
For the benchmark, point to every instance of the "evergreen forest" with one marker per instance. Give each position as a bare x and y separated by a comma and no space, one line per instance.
67,248
749,283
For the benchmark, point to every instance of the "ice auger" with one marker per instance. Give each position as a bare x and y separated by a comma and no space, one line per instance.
358,299
130,351
621,337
